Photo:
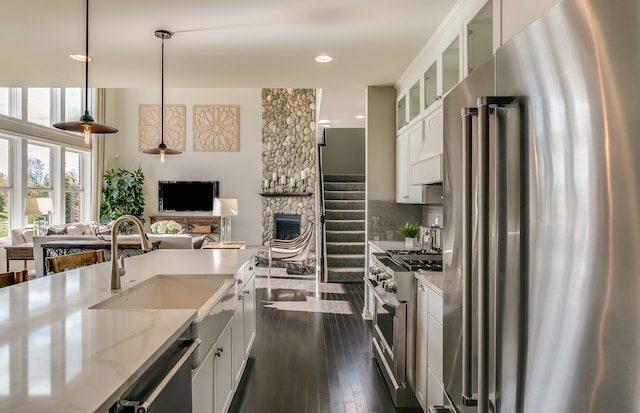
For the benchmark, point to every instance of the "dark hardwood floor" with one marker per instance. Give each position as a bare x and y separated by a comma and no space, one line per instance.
312,352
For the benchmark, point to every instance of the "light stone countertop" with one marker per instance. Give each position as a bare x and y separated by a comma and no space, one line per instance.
57,355
433,279
389,245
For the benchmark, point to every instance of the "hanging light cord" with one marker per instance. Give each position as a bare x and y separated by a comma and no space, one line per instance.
162,95
86,60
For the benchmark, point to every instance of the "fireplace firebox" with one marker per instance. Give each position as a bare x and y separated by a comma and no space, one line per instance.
286,226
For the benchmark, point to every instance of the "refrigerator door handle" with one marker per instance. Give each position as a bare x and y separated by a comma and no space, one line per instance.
468,396
485,105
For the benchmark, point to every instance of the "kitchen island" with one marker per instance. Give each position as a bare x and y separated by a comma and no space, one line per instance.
58,355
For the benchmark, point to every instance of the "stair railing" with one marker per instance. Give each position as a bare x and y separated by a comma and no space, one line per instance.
321,261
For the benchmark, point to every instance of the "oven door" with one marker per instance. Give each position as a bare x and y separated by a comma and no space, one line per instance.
390,333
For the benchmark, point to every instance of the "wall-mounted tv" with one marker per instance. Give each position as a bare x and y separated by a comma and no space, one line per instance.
186,195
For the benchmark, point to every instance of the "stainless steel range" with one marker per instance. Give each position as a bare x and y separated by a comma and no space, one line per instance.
394,319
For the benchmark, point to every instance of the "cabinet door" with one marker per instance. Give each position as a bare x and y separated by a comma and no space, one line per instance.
249,302
202,386
222,372
238,338
415,144
421,345
402,171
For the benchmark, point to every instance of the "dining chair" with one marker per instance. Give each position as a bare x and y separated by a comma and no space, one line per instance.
293,250
70,261
13,277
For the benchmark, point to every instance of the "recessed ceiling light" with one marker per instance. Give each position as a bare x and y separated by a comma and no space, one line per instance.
360,116
323,122
323,58
79,57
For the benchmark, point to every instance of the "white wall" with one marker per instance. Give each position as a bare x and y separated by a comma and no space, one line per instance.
239,173
344,153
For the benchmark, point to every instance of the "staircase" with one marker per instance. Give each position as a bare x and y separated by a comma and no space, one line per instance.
344,201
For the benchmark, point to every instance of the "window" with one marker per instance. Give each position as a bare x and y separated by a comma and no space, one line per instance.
38,173
72,104
4,101
39,106
5,187
73,178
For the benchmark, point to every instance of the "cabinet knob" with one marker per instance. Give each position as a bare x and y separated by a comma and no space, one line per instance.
421,288
219,351
240,296
246,292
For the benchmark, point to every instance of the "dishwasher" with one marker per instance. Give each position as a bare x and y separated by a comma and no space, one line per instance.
164,387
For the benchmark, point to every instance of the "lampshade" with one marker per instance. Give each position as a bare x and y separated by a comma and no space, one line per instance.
225,207
162,149
38,206
85,124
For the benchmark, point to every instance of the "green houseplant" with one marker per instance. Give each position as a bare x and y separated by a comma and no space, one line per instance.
410,232
122,195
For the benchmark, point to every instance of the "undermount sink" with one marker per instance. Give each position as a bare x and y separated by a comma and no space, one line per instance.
174,291
213,296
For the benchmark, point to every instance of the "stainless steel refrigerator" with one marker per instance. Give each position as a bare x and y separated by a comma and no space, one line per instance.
542,219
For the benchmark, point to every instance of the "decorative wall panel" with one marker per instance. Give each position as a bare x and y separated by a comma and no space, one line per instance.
174,127
216,128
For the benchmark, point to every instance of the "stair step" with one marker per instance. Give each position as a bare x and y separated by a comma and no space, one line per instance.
343,178
335,195
340,214
344,225
345,260
355,274
345,247
344,186
344,204
344,236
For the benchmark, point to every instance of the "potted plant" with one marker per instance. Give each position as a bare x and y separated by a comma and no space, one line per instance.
410,232
122,195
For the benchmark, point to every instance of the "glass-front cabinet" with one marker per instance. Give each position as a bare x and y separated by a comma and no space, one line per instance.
401,115
480,37
414,101
431,85
451,65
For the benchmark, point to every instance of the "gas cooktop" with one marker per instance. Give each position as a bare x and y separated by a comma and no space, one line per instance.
416,260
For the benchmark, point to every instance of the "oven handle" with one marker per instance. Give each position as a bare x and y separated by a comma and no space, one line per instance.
392,308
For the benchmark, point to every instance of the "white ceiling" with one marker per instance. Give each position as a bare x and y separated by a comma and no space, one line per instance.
221,43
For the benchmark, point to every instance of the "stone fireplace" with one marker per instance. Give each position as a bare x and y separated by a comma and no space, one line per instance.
288,148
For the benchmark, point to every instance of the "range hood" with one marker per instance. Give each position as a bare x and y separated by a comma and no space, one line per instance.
427,168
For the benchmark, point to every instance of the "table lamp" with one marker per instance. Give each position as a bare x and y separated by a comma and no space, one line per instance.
39,207
225,208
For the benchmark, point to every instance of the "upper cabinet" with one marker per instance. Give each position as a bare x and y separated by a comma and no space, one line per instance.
451,66
401,112
480,37
431,85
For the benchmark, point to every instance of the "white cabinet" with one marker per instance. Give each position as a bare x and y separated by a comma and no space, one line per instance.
214,382
429,346
408,146
427,167
421,345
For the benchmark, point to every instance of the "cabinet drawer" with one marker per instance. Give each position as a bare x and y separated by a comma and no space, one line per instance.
434,347
435,305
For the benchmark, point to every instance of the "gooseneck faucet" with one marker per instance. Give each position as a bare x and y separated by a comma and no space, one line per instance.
145,244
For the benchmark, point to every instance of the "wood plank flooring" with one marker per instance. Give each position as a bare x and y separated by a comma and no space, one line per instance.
312,352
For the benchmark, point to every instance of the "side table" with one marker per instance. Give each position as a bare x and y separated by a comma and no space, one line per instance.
19,252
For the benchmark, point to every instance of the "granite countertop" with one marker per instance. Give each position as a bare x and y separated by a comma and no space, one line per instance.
57,355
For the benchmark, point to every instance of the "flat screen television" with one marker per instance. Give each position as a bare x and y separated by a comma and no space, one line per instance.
186,195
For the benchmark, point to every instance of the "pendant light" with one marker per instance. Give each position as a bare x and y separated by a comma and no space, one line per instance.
86,124
162,149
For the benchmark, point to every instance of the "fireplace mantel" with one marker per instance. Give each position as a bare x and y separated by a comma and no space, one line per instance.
272,194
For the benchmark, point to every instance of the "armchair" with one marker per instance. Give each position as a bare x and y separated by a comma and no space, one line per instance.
293,250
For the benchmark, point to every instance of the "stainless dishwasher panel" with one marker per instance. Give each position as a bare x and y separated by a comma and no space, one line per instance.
166,386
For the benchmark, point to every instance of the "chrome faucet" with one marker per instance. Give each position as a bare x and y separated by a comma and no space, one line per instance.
145,244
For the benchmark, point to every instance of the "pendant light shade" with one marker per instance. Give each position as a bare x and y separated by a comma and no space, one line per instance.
86,125
162,149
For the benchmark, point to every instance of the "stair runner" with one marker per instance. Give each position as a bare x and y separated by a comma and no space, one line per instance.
344,200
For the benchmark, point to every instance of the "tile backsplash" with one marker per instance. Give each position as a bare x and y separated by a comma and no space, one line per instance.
385,217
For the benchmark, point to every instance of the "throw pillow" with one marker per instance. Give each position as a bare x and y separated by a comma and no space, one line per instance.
74,230
27,234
